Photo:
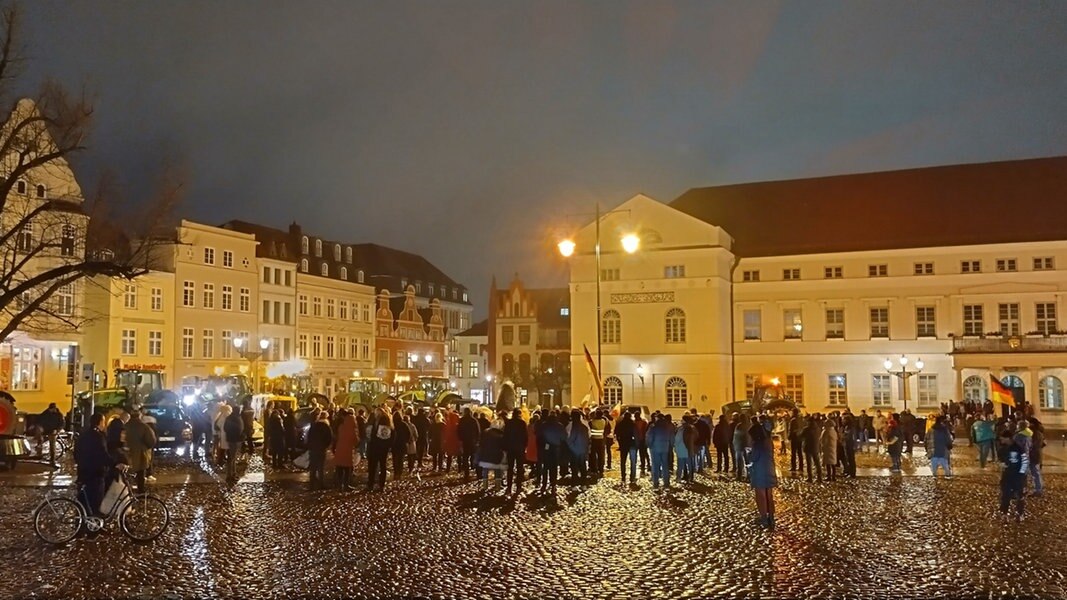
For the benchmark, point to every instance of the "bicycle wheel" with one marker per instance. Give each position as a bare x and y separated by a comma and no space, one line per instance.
58,520
144,518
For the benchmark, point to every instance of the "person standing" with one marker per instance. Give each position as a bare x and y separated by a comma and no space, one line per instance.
640,431
248,418
761,469
380,434
609,441
597,425
491,455
862,423
942,443
907,429
344,449
828,441
275,430
94,463
1036,455
450,440
514,439
684,449
660,438
422,428
116,431
531,446
320,438
401,438
879,423
702,427
812,455
720,438
551,437
849,438
579,442
140,439
436,444
468,432
739,443
625,435
233,430
894,442
1013,479
983,435
795,430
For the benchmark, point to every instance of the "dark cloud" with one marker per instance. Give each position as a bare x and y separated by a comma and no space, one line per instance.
469,131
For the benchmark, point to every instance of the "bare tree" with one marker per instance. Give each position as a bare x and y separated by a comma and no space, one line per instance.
52,238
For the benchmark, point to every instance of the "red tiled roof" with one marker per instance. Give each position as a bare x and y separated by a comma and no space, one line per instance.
983,203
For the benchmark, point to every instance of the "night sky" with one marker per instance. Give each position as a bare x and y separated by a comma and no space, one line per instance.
469,131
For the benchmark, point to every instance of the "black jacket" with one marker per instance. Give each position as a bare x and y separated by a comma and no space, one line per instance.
91,455
515,436
401,436
320,437
703,432
625,434
114,434
491,449
422,426
469,432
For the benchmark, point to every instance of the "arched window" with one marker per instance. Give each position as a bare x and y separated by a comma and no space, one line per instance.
975,389
1014,382
303,265
348,255
324,270
337,252
677,393
675,326
1050,393
611,327
515,310
524,365
20,186
359,276
304,245
344,273
612,391
41,192
318,248
508,365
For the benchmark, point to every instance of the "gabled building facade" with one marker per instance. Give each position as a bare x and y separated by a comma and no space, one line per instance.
410,341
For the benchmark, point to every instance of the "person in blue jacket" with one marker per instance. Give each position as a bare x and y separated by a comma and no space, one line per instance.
660,437
578,444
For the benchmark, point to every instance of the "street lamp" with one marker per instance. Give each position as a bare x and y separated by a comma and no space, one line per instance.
488,389
904,374
630,244
240,344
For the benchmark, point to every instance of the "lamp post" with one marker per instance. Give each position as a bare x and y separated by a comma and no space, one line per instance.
630,243
904,374
251,355
488,389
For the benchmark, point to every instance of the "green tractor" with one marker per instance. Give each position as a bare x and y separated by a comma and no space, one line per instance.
429,391
362,392
132,387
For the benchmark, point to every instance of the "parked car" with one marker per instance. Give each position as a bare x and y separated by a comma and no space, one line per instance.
173,427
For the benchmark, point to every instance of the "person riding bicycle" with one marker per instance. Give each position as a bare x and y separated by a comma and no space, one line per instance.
94,463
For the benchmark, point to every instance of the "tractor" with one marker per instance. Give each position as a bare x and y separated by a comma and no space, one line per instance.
132,387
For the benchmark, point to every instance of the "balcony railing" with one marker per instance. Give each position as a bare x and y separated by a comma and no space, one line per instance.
1055,343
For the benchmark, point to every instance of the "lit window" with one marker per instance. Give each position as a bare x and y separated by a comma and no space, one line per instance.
677,393
793,324
675,326
612,391
611,328
565,311
25,368
838,389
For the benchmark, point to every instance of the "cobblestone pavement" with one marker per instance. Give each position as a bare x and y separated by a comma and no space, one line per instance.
874,537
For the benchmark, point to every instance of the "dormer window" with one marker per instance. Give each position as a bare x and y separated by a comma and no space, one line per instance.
20,186
348,255
304,245
337,252
359,276
324,270
303,265
344,273
41,191
318,248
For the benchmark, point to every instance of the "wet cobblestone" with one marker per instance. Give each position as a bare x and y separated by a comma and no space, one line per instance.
874,537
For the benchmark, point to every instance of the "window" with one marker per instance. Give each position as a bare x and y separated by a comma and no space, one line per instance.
924,268
925,321
669,272
337,252
675,326
359,276
187,342
383,359
612,391
1006,265
227,259
304,245
129,299
343,314
330,344
507,335
157,299
41,192
209,256
835,323
752,324
316,346
880,390
25,368
1050,393
227,297
833,272
794,387
303,265
472,369
302,345
973,321
366,313
265,318
66,244
24,243
524,335
288,278
20,186
189,294
838,389
605,275
611,327
209,295
155,343
564,311
208,343
750,275
65,300
129,342
1009,318
302,305
877,270
464,296
418,287
318,248
344,273
324,270
752,380
880,322
677,394
975,389
1044,263
364,347
227,343
246,299
790,274
792,323
331,308
928,390
1046,317
348,255
971,266
266,274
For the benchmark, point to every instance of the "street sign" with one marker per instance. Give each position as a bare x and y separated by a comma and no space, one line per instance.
87,371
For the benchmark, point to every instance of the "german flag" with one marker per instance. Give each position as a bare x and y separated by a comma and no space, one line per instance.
589,364
999,393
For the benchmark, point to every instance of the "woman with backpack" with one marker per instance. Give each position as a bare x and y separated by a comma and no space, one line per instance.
380,440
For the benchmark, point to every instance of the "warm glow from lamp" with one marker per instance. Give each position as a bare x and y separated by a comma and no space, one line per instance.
566,247
630,243
919,364
238,342
264,343
775,382
888,364
903,360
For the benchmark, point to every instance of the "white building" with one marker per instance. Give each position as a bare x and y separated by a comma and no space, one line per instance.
470,352
817,282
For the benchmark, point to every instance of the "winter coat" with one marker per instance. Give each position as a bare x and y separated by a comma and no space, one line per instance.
720,435
578,440
319,438
640,432
550,436
422,427
660,437
233,430
681,448
982,431
91,455
469,432
491,449
942,441
114,434
450,436
703,432
276,434
761,471
401,437
829,444
140,439
812,434
437,432
515,437
248,418
531,443
347,441
625,434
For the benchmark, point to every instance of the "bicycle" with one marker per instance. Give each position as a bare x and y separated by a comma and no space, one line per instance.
142,517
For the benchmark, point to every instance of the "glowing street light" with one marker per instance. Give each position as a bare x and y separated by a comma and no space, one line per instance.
904,374
630,243
566,248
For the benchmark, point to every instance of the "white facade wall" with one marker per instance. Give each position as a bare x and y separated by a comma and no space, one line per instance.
472,354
